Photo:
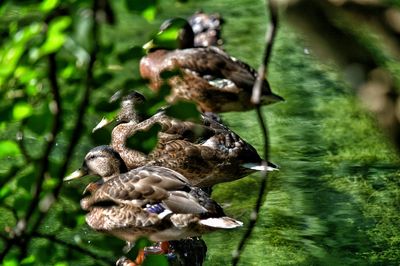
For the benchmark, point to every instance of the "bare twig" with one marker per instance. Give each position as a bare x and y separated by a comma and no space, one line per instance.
269,40
12,210
21,238
8,177
21,227
44,164
20,140
101,259
77,132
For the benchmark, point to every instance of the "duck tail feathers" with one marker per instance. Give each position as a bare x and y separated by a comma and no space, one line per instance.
222,222
270,167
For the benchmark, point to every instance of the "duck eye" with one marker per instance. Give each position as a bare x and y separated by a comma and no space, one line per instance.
91,157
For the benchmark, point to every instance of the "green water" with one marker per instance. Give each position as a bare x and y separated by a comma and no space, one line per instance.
336,200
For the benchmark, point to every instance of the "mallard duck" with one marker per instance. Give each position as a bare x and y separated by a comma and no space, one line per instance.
207,153
206,29
208,76
149,201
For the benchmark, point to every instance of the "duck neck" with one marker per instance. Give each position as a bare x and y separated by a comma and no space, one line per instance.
129,112
119,136
186,37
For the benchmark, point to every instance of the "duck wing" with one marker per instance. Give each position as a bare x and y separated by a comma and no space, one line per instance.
144,187
214,62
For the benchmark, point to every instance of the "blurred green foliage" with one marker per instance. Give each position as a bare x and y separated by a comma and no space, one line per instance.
335,201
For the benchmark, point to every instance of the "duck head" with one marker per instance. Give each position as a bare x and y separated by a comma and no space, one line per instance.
101,161
175,33
127,110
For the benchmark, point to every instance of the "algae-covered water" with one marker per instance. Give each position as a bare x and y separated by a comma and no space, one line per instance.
336,199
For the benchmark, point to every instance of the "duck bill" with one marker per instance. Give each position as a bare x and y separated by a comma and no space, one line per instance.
104,122
148,46
77,174
272,98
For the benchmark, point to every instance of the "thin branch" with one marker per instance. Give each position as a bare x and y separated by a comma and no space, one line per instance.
44,163
7,248
78,129
11,209
269,41
53,239
11,173
20,141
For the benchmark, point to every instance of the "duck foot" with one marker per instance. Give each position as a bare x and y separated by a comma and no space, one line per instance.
128,247
159,248
124,261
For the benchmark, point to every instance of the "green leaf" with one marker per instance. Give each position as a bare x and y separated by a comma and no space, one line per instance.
104,105
68,218
50,183
150,13
27,178
101,136
102,79
6,113
5,191
55,35
152,259
80,219
21,203
153,103
61,263
147,9
41,120
184,111
141,243
72,193
28,260
10,262
140,6
135,52
25,74
144,141
49,5
130,84
21,110
9,148
12,51
27,33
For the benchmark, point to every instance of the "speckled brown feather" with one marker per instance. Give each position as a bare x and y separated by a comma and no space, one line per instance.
206,29
210,77
123,204
206,154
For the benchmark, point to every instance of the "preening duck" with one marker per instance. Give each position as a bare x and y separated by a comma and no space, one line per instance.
208,76
206,29
150,201
206,154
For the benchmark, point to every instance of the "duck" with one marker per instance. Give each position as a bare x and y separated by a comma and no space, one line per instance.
206,153
207,76
206,29
150,201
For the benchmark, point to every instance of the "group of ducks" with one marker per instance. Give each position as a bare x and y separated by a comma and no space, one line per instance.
162,195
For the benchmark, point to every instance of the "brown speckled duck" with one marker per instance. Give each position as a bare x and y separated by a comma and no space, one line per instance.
206,154
149,201
206,29
208,76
